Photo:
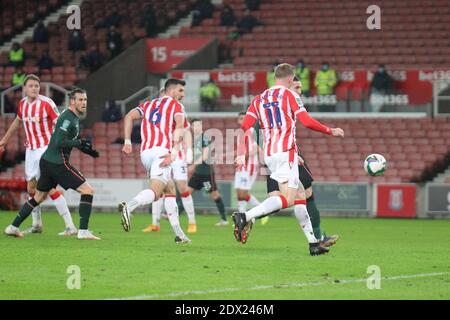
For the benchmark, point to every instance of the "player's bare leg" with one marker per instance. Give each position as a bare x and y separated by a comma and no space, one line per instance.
13,229
188,204
87,196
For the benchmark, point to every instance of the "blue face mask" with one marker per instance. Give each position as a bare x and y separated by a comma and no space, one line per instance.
381,70
325,68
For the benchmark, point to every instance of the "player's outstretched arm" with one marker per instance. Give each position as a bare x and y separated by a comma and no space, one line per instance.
11,130
128,127
312,123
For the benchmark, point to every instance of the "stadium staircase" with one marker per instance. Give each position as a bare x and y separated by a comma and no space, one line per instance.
17,15
443,177
66,73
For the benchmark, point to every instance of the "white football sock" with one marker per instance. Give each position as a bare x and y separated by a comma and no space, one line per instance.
242,205
36,215
63,210
269,205
188,204
253,201
170,203
145,197
157,207
301,213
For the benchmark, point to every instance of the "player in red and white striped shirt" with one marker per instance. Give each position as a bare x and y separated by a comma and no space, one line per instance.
246,174
180,177
38,115
277,110
163,123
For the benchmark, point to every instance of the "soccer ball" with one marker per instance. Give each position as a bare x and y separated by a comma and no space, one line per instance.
375,164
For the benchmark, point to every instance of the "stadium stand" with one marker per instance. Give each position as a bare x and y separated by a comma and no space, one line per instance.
292,32
66,73
412,147
17,15
415,34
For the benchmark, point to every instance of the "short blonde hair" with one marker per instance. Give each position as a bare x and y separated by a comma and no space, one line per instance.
284,70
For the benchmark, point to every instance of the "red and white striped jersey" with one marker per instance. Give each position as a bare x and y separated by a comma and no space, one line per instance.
38,120
252,159
276,109
158,122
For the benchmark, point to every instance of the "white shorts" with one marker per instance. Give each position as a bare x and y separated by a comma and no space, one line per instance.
151,159
179,170
243,180
283,170
32,158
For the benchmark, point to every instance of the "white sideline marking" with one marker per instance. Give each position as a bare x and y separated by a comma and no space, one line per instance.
286,285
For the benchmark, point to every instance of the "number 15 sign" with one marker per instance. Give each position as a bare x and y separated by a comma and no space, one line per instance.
165,54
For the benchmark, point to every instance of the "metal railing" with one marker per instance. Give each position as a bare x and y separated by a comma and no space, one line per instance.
48,88
145,93
441,103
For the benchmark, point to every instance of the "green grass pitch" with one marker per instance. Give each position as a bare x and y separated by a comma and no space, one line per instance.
413,257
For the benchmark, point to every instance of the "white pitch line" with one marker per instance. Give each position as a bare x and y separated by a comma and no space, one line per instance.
287,285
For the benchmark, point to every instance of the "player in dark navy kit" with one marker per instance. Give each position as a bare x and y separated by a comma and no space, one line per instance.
56,169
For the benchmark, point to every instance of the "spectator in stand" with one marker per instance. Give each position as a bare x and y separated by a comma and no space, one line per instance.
247,23
209,95
113,19
325,82
16,55
40,33
45,61
206,9
252,5
227,18
303,73
382,84
18,77
196,18
92,60
203,10
148,21
114,42
76,41
111,113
